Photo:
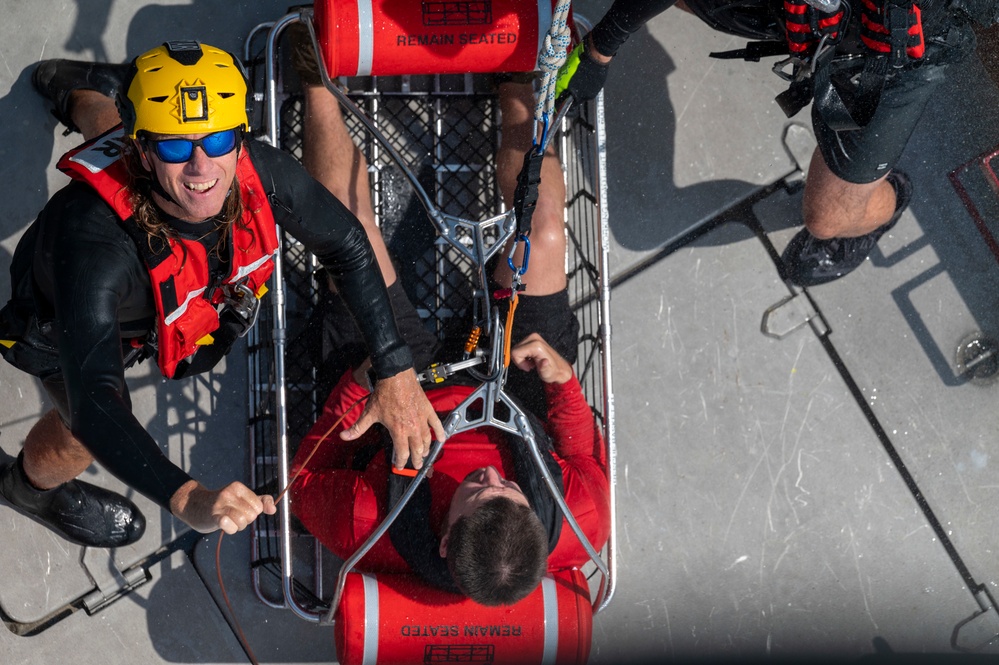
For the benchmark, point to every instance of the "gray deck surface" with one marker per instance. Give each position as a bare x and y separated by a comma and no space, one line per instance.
759,512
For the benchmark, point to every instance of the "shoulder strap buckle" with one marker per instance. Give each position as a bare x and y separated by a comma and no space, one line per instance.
244,303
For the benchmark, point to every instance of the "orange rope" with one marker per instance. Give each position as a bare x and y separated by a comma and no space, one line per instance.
218,547
316,447
225,596
508,333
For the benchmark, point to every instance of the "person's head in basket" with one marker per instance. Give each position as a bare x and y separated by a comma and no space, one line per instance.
495,545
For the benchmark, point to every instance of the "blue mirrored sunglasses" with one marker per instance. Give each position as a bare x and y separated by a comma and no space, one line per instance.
178,151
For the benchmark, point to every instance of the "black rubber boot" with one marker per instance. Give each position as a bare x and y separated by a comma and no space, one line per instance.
809,261
55,79
83,513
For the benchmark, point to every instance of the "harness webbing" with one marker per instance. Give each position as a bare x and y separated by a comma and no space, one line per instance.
891,32
525,196
806,25
893,28
550,59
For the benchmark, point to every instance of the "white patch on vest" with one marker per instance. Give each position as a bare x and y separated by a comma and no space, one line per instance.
102,154
177,313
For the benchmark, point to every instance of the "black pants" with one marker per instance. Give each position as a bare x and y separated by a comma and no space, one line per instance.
335,343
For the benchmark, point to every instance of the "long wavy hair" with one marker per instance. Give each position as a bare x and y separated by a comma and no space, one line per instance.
149,217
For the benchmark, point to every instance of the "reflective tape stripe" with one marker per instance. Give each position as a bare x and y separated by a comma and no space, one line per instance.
365,37
246,270
177,313
549,593
370,655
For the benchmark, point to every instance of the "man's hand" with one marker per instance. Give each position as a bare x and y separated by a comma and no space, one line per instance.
583,74
231,508
400,404
535,353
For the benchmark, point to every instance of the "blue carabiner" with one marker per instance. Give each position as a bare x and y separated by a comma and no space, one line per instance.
527,255
539,147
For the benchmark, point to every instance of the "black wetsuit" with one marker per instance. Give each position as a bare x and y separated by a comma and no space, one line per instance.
91,290
623,18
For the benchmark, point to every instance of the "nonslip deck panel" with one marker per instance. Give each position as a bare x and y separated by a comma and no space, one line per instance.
171,619
190,417
767,517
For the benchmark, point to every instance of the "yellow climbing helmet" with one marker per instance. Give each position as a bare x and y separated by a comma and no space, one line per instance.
185,87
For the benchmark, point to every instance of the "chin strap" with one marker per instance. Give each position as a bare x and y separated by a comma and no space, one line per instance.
156,187
154,182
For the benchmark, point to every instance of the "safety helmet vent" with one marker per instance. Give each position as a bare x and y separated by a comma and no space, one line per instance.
185,88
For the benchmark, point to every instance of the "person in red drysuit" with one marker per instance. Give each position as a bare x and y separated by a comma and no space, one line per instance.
342,504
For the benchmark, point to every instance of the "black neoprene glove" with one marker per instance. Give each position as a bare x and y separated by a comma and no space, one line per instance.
581,76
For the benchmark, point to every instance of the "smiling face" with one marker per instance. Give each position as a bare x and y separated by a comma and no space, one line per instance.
477,488
198,186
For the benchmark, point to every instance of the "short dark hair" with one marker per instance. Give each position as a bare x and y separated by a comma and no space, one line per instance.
499,553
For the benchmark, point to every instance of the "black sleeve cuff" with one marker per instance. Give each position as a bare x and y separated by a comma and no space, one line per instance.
392,361
621,20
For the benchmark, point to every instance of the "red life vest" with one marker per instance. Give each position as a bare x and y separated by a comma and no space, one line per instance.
187,313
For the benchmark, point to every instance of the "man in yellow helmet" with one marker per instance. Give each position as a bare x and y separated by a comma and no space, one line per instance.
162,244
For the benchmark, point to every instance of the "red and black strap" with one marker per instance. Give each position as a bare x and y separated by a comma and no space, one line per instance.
805,26
894,28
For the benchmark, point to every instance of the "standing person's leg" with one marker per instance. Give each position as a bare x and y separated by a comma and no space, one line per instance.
853,193
843,223
837,208
41,482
